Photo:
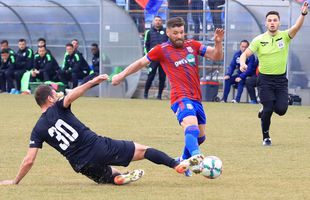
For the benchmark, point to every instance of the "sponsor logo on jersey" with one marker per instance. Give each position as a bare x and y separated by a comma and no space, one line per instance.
190,59
180,62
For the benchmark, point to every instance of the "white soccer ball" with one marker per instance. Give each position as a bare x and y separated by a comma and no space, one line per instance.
211,167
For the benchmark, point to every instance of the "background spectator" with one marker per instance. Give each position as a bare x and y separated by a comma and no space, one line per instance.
234,75
95,60
7,71
42,43
156,35
73,68
24,62
45,66
5,45
76,44
251,82
95,67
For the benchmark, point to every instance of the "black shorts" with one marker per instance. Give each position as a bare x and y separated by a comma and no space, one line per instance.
272,88
108,152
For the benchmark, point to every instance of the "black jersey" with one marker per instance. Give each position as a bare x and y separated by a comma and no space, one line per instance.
63,131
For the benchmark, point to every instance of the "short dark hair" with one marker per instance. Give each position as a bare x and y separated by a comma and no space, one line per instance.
273,13
41,39
175,22
94,45
69,45
41,94
22,40
157,16
245,42
4,42
75,40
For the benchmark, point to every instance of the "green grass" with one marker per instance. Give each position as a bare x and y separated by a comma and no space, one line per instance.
250,171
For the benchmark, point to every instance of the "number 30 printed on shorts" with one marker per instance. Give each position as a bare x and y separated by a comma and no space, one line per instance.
64,133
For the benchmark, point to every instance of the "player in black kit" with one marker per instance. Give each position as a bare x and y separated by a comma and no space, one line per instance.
88,153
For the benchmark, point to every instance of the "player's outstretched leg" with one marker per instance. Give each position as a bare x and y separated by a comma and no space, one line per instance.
195,163
182,167
128,177
186,172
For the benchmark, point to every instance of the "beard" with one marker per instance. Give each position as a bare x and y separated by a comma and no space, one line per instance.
178,43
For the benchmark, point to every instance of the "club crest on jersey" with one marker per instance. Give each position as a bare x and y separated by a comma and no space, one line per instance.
190,59
190,49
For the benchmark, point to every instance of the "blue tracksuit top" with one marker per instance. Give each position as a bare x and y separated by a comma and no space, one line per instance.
252,63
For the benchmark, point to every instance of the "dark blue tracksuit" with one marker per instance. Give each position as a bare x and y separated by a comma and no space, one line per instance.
234,72
152,38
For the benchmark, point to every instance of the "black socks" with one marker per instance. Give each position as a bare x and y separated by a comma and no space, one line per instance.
160,158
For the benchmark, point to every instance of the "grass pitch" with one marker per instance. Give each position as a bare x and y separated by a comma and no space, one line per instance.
250,171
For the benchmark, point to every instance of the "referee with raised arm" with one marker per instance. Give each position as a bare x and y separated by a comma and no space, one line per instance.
272,48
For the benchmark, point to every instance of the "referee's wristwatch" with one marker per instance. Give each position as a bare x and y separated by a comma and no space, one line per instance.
304,13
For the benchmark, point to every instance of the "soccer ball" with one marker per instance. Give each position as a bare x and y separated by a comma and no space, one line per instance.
211,167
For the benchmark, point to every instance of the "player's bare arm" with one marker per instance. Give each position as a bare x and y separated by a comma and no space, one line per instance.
216,53
80,90
300,20
24,168
247,53
132,68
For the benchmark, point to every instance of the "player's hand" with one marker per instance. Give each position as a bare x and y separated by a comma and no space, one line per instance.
304,7
219,35
238,79
226,77
99,79
243,67
117,79
7,182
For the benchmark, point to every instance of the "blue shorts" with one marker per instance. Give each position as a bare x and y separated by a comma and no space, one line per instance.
187,107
